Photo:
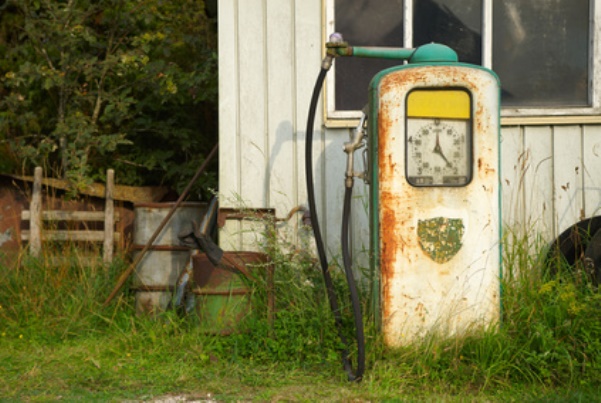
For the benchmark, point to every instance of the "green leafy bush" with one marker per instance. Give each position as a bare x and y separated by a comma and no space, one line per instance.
87,85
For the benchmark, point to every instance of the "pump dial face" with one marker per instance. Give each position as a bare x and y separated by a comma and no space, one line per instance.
438,152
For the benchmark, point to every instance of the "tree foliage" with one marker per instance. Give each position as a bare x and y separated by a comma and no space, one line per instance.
90,84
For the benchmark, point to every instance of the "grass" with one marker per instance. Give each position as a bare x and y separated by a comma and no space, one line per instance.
57,341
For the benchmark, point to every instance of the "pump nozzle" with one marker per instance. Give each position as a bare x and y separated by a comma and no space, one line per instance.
357,142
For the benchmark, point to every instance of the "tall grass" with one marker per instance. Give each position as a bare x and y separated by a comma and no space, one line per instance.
55,301
57,338
552,317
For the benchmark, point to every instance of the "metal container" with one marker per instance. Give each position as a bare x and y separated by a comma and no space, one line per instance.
156,274
223,295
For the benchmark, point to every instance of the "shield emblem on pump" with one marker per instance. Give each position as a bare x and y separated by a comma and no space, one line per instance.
440,238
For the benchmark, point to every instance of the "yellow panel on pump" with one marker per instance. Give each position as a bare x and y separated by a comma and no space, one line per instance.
444,104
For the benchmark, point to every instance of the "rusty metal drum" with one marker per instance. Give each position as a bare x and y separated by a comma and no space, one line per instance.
157,272
222,294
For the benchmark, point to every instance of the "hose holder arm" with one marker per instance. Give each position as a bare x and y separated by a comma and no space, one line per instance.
429,53
336,46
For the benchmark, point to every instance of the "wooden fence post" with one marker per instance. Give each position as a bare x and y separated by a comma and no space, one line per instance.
35,221
109,217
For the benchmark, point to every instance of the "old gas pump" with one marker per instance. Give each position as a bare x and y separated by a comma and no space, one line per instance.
435,201
433,170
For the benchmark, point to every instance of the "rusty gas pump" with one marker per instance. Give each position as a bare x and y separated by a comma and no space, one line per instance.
432,135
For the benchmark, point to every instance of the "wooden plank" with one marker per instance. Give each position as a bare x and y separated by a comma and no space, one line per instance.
253,109
63,215
538,182
567,173
35,208
307,45
229,104
109,217
133,194
71,235
307,61
282,163
512,167
591,162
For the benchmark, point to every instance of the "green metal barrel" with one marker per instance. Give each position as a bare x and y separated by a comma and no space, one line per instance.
222,294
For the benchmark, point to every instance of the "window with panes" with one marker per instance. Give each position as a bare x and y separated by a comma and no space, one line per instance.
540,49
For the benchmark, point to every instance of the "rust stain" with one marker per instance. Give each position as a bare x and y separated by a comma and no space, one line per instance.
393,81
484,168
391,244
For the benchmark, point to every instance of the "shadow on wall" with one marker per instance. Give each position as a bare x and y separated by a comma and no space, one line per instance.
286,183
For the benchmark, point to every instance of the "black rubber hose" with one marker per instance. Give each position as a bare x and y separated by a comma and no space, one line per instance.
316,230
350,279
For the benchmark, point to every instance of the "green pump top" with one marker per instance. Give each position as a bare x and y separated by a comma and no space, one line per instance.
430,53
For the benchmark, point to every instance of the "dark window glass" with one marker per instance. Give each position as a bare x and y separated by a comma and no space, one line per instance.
540,47
364,23
455,23
540,52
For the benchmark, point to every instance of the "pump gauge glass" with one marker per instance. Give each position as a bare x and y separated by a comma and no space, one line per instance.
438,138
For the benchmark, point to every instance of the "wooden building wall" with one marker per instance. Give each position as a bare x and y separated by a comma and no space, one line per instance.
269,58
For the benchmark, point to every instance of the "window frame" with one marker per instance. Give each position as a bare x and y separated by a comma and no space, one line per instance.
509,115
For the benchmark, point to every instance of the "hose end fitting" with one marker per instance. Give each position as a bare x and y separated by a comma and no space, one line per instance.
326,63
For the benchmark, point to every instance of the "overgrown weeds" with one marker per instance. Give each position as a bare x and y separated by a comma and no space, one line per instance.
58,340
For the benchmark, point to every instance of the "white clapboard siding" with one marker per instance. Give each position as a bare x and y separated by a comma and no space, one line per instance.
307,61
229,116
269,57
591,173
567,176
252,69
280,90
253,135
511,175
537,171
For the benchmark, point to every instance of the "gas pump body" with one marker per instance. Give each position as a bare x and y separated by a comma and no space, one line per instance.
435,214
